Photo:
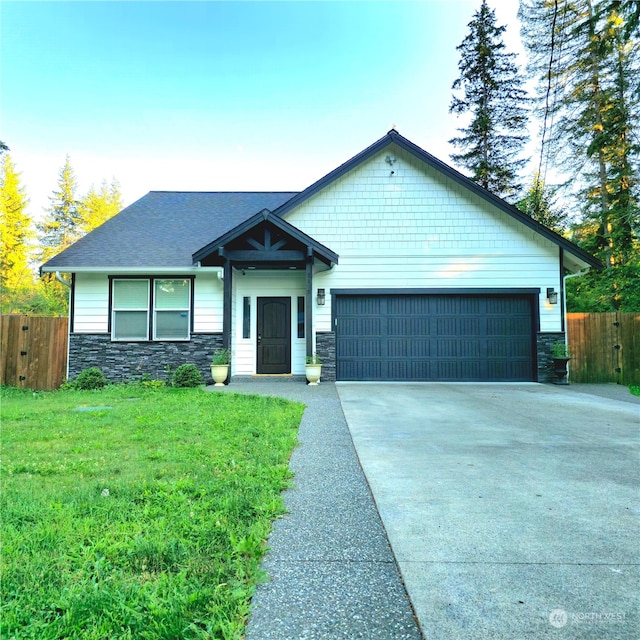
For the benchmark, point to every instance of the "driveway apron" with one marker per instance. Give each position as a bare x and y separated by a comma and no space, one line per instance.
512,509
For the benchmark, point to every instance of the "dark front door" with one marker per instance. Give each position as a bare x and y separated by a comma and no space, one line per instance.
274,335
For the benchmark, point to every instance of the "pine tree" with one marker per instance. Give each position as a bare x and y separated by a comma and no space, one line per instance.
494,98
585,53
61,226
15,232
541,204
98,206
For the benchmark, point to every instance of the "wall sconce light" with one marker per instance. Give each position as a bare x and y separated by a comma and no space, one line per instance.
320,298
552,295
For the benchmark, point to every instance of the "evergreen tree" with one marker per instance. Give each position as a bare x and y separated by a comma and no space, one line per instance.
585,53
61,227
15,233
540,203
98,206
492,95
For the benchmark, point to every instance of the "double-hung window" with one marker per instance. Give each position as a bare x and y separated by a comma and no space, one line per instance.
130,310
156,307
171,306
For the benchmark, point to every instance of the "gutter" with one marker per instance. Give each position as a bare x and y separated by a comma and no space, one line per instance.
150,270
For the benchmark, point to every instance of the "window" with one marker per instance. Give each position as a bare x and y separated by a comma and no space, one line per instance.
130,310
166,314
301,319
171,309
246,317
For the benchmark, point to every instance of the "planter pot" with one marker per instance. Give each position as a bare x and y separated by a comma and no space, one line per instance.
560,369
313,372
219,373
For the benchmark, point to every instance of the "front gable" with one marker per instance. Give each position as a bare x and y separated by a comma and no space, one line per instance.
393,206
394,172
264,241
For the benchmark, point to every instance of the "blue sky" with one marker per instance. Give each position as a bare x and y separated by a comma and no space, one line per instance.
223,96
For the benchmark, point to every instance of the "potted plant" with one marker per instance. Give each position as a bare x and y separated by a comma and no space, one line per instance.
561,356
220,366
313,369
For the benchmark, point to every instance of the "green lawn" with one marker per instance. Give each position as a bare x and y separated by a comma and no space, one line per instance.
635,390
137,513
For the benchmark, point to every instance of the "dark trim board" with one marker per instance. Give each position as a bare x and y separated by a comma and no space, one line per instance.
435,291
436,336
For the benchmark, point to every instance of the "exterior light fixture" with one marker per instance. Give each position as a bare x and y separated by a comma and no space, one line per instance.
320,299
552,295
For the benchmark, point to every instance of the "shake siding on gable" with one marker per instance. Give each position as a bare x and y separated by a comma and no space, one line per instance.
421,230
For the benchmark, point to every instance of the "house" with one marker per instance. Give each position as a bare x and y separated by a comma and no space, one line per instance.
394,266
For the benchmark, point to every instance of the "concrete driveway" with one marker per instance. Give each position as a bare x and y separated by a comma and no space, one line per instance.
512,509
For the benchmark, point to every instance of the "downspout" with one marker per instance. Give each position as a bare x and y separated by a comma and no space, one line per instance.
67,284
564,305
60,279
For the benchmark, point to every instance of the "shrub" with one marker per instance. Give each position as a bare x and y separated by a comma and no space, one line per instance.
91,378
187,375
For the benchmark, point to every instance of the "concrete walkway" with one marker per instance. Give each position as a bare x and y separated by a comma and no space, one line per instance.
331,572
512,510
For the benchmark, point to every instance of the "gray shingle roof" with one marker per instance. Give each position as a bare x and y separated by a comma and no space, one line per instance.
164,229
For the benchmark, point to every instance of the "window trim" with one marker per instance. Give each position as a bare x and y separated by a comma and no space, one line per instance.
151,308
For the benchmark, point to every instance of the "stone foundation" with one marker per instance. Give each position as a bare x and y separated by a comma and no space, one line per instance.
128,361
326,350
545,342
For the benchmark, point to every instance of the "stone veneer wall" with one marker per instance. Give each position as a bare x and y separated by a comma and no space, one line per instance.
545,356
326,350
126,361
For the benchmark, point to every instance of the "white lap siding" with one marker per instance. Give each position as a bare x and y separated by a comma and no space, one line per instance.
419,229
91,303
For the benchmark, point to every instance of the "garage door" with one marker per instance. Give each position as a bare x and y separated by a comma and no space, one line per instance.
434,337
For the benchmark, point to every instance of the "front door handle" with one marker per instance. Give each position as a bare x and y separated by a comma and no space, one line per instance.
259,338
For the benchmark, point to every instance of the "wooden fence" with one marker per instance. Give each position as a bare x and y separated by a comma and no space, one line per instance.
33,351
605,347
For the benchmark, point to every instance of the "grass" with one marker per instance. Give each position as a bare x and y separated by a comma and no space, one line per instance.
142,515
635,390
